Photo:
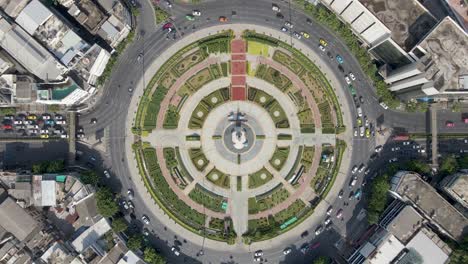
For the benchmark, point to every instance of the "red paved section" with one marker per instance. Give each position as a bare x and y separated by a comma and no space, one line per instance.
236,57
238,80
238,93
238,70
237,46
238,67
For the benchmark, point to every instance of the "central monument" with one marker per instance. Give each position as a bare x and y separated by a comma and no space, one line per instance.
238,136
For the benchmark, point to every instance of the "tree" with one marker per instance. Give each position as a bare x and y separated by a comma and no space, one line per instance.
55,166
321,260
460,253
463,162
152,257
135,242
90,177
119,225
448,165
418,166
377,198
106,204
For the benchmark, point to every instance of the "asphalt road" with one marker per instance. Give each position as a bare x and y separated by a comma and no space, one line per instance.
111,112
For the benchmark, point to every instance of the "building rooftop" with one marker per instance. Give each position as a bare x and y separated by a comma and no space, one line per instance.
48,193
408,20
389,248
88,14
412,188
460,8
87,211
13,7
405,224
114,255
32,16
28,52
130,258
16,220
446,49
91,235
457,187
430,247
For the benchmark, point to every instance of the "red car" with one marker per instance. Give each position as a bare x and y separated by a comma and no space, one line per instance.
465,120
449,124
7,126
339,213
167,25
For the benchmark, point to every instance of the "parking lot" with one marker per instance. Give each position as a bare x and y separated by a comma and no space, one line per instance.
33,125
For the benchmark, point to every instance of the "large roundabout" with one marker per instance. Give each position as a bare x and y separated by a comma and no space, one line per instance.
238,138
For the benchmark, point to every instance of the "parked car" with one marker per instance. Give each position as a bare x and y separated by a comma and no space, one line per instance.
340,194
361,168
358,194
175,251
190,17
347,79
339,213
297,35
321,47
305,34
145,219
339,59
354,169
279,15
327,220
275,8
130,194
107,174
287,250
284,29
329,210
125,205
323,42
258,253
288,24
223,19
384,105
318,230
449,124
196,13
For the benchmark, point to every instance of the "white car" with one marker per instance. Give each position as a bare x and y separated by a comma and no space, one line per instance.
175,250
258,253
327,220
169,4
319,230
384,105
406,143
145,219
275,8
359,111
354,169
322,48
378,149
196,13
355,132
125,205
286,251
284,29
330,210
64,136
61,122
392,160
361,131
59,117
351,75
257,259
348,81
130,204
288,24
107,174
18,122
366,123
130,194
297,35
46,117
44,131
361,168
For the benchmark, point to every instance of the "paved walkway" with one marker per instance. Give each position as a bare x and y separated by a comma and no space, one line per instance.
238,69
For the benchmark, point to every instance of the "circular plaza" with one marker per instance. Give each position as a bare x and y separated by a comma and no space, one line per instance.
238,136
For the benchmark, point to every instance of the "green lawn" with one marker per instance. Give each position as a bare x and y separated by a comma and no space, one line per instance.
206,198
198,158
307,157
218,178
257,48
259,178
272,198
279,158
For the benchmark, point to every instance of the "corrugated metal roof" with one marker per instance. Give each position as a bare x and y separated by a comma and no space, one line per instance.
32,16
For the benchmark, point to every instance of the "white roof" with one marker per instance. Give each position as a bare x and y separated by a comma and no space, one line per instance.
100,63
48,193
91,235
387,251
130,258
430,252
32,16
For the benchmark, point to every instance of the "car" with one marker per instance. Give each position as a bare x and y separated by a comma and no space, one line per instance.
352,182
378,148
392,160
130,204
359,121
327,220
51,122
321,47
196,13
7,126
361,168
223,19
354,169
297,35
140,56
304,234
406,143
329,210
304,248
130,89
361,99
351,196
352,90
359,111
80,135
93,120
145,232
348,81
305,34
258,253
125,205
61,122
258,259
288,24
318,230
169,4
284,29
339,59
145,219
367,133
175,251
384,105
130,194
9,117
358,194
18,122
449,124
167,26
361,131
275,8
31,117
45,116
351,75
64,136
308,21
366,122
286,251
355,132
340,194
33,131
279,15
367,171
323,42
107,174
339,213
190,17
